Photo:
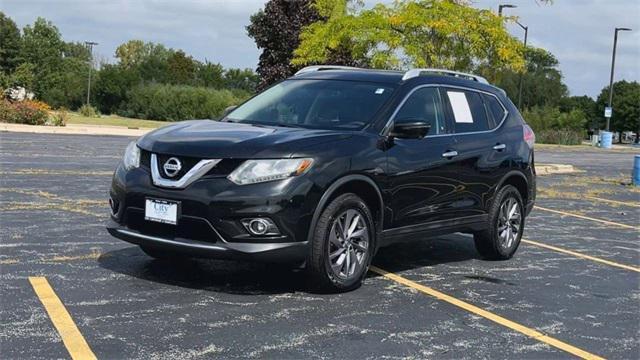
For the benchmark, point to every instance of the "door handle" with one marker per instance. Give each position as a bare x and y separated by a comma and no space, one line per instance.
499,147
450,154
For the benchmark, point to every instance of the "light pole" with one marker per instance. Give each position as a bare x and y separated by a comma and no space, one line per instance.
502,6
613,64
526,34
89,45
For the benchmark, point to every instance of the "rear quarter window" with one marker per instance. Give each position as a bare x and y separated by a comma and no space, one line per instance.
495,110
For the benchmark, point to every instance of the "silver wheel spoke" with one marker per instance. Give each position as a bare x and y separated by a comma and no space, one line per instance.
362,247
348,244
336,253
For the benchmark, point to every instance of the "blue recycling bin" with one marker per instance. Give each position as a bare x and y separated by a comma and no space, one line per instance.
606,139
636,171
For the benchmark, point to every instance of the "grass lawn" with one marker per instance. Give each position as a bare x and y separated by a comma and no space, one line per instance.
114,120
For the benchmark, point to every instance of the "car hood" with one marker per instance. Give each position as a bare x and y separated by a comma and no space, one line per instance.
214,139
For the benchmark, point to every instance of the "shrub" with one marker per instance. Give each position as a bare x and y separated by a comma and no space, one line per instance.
178,102
562,137
23,112
88,111
59,118
542,118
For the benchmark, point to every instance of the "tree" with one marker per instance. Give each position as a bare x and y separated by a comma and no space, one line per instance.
583,103
43,47
276,31
112,85
412,33
210,75
181,68
542,80
243,79
9,44
626,106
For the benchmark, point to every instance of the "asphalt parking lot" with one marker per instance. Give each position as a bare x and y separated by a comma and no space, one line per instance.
573,288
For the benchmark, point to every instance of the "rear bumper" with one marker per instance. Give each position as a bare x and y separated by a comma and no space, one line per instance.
266,252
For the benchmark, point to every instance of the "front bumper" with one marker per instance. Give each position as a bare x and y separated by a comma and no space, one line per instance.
267,252
210,215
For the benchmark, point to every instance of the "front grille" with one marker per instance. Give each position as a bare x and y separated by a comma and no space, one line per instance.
223,168
187,228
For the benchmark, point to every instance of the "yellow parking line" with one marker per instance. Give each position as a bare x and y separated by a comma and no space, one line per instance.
625,203
583,256
589,218
487,315
71,336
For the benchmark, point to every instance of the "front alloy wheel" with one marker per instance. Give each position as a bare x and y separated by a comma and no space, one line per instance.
348,244
342,243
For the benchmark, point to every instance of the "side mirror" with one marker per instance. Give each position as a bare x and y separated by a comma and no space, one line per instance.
410,129
227,110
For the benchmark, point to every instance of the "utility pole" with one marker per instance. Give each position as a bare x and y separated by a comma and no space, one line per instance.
613,64
89,45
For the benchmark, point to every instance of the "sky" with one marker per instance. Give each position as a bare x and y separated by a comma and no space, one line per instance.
578,32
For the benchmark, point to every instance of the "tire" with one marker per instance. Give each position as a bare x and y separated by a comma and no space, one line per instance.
157,253
333,244
501,240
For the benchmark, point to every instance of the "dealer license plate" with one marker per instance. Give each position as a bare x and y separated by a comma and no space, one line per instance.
163,211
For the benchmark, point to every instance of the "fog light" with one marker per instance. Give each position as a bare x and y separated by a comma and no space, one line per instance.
114,205
260,226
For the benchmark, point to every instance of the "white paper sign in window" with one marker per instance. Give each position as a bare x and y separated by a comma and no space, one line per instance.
460,106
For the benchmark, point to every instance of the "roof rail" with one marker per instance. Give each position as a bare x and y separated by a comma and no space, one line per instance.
324,67
417,72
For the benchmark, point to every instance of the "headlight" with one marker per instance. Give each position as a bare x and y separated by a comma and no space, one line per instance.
131,157
256,171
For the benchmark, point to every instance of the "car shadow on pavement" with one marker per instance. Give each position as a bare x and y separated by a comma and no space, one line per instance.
429,252
233,277
248,278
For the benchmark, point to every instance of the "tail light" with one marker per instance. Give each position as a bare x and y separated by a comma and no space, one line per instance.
528,135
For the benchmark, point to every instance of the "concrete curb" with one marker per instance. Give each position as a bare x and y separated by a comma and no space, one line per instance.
550,169
75,129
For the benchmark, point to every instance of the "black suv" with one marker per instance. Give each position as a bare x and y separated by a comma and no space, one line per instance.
330,165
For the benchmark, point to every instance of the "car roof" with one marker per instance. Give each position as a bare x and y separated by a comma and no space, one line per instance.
394,77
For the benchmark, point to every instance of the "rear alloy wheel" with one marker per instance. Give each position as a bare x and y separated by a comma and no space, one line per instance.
342,244
506,219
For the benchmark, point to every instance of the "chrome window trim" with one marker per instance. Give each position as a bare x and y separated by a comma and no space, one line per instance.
196,172
387,128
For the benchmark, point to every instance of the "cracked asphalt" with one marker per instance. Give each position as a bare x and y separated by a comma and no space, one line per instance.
53,191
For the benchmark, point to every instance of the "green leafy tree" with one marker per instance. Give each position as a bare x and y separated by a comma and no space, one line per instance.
276,30
9,44
243,79
626,106
411,33
181,68
43,47
542,80
585,104
210,75
112,85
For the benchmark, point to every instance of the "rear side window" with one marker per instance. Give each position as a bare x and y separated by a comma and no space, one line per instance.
469,114
423,105
495,111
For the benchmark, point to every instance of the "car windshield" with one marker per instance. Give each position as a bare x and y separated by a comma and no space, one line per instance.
315,104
